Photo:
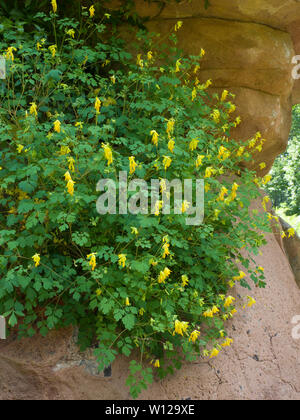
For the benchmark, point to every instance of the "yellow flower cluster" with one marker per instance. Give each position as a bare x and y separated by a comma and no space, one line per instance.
180,327
163,275
122,260
166,246
107,153
36,258
70,183
92,262
132,165
10,53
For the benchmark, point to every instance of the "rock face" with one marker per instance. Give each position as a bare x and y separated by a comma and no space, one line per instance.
263,362
250,45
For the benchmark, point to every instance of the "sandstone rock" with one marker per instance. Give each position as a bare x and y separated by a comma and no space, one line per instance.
250,46
263,362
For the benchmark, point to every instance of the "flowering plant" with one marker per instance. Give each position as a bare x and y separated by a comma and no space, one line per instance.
74,110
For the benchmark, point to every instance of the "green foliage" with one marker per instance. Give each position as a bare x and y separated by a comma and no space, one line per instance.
284,189
74,112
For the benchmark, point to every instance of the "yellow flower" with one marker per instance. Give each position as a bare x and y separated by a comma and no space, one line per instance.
132,164
165,248
107,153
216,115
196,68
10,53
92,262
238,121
208,172
142,311
240,151
155,136
215,309
185,206
134,231
234,311
251,301
291,232
127,302
33,108
167,162
266,179
170,126
194,94
227,342
178,25
224,95
97,105
262,165
207,84
122,260
178,64
158,206
36,258
150,56
193,144
54,5
231,283
223,153
57,125
208,313
71,162
214,353
283,234
98,292
156,364
199,160
113,79
64,150
180,327
70,187
20,147
38,46
194,336
79,124
222,194
228,301
92,11
163,275
202,52
71,33
52,49
264,202
171,145
232,108
240,276
235,187
185,280
261,268
67,176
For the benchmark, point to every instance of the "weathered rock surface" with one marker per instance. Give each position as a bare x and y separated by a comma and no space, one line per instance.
263,362
249,47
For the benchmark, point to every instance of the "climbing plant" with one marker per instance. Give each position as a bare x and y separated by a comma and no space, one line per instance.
73,111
